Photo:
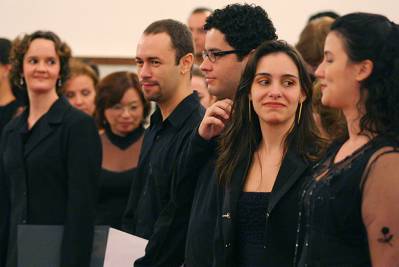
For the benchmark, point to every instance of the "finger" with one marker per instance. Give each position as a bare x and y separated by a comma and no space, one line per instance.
219,112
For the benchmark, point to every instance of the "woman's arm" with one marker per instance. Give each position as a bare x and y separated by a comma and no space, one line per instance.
84,155
380,208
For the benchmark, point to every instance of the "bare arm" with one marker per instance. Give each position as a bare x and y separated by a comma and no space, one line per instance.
380,209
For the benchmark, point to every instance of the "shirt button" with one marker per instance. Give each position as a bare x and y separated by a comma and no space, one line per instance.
228,245
226,216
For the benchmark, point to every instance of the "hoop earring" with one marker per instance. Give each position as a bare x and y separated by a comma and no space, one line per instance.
300,112
249,110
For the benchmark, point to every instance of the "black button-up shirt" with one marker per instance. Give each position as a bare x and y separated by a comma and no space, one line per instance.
160,198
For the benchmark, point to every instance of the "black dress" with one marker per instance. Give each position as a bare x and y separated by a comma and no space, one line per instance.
113,194
251,217
331,228
115,183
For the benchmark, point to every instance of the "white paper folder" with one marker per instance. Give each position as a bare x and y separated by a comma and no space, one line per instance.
39,246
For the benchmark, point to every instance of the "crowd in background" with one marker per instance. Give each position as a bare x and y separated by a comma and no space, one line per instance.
228,147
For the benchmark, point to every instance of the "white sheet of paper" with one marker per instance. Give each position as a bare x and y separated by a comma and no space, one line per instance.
123,249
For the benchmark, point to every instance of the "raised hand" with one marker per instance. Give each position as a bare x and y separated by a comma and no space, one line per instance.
215,119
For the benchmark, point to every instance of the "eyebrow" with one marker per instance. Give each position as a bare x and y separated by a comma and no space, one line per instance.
287,75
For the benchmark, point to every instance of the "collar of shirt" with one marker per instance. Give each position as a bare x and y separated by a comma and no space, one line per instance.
179,114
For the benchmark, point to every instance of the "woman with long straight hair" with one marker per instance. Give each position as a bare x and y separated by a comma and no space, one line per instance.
266,144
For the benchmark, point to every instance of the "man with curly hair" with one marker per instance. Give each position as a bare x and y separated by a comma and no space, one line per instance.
232,33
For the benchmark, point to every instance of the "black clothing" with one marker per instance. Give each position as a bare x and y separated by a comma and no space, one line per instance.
123,142
199,165
160,198
48,176
114,188
250,231
7,112
331,223
281,214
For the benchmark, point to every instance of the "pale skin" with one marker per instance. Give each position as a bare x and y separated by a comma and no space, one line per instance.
6,95
162,80
41,68
275,94
380,193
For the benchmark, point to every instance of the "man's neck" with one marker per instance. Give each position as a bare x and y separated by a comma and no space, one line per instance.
169,105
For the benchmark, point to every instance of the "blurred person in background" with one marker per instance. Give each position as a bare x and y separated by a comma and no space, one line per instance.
9,104
80,88
331,121
198,84
195,23
121,113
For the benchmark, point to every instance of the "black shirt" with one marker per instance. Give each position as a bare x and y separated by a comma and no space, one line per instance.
160,198
7,112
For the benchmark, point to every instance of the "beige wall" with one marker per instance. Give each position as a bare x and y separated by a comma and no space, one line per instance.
112,27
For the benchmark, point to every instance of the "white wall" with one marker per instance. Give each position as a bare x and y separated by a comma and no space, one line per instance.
112,27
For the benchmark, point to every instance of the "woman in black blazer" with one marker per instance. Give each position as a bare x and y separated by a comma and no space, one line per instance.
50,155
268,138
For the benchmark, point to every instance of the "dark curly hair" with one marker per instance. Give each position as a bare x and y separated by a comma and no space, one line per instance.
373,37
244,26
21,46
242,135
110,91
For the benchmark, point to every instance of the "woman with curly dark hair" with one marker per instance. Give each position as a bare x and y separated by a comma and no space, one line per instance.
350,205
266,145
50,155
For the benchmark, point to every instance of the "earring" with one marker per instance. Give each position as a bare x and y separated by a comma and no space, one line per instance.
249,110
300,112
21,81
59,82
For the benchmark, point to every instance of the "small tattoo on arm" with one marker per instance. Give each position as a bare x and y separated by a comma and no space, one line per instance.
387,236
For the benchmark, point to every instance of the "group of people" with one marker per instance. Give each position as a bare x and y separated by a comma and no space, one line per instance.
250,176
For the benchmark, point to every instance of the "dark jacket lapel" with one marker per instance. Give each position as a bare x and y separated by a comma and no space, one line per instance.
48,124
290,171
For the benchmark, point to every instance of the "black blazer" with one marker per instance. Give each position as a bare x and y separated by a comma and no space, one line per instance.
49,176
281,216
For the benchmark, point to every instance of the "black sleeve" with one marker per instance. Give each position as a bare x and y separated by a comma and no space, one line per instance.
4,207
167,243
84,156
195,154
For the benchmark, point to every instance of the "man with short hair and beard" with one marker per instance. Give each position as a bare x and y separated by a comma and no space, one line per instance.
159,206
232,33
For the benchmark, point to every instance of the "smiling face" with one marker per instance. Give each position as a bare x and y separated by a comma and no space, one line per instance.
41,67
127,115
337,74
158,72
223,75
276,90
81,93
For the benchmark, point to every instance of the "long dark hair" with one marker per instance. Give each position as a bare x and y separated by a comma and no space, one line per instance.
378,42
242,135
